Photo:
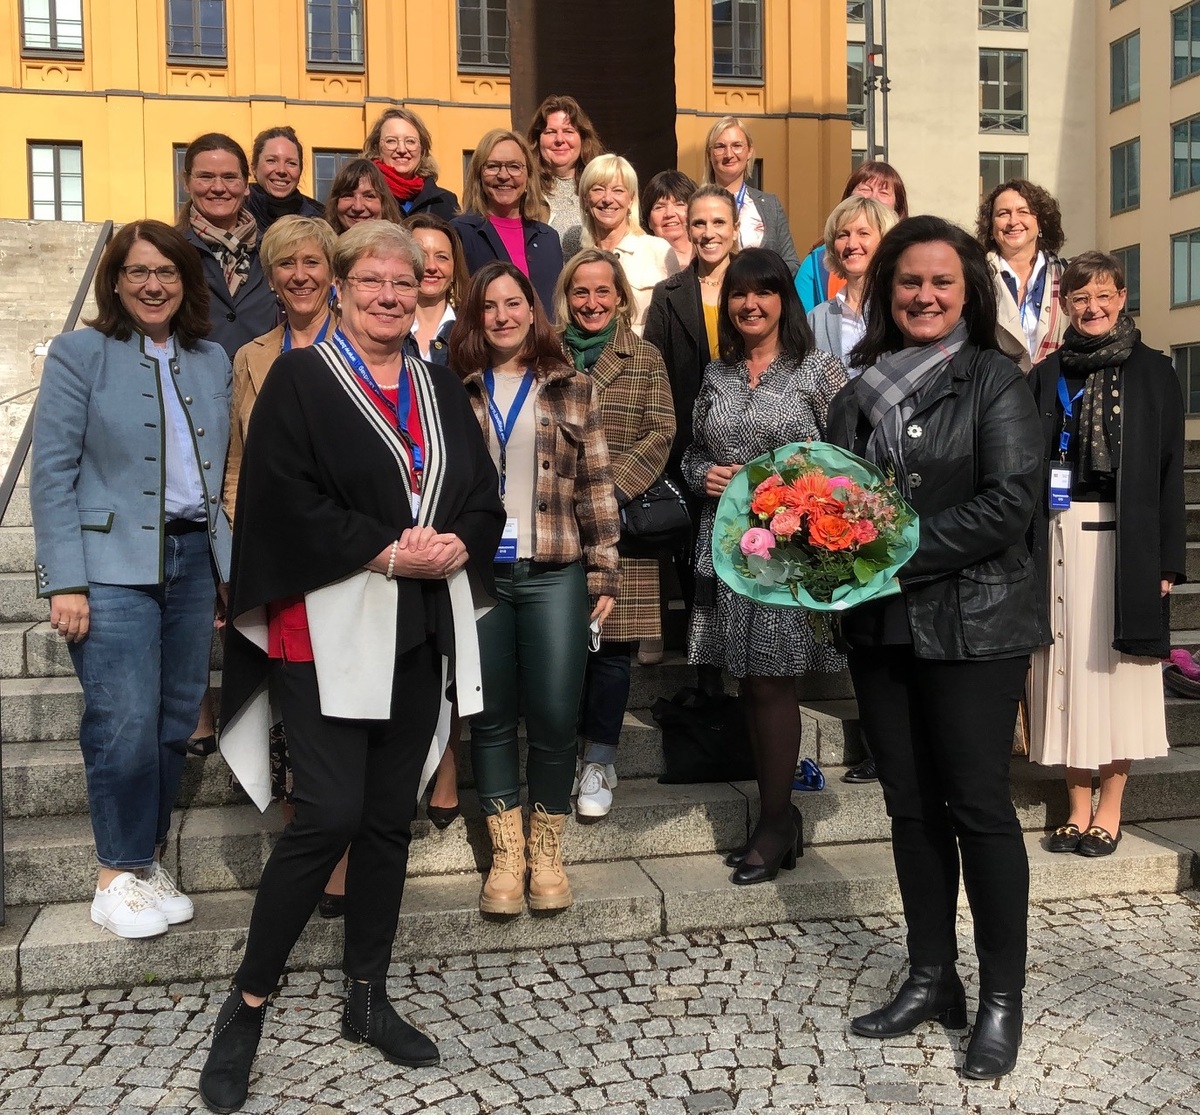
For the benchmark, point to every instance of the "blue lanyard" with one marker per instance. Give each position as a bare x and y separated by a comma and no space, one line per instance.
405,394
1064,438
287,334
739,199
504,426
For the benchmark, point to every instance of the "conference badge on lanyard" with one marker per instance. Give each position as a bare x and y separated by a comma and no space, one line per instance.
506,552
1061,473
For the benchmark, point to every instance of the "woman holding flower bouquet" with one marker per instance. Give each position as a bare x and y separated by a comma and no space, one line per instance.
940,667
769,387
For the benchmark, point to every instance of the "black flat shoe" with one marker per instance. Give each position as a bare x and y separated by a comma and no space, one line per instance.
864,772
370,1018
225,1078
200,746
748,874
331,906
931,991
442,817
1065,838
1098,842
996,1039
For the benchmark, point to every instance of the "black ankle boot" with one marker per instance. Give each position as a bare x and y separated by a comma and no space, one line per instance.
225,1078
996,1039
370,1018
931,991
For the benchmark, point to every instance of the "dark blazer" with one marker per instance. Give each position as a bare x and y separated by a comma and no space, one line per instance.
236,319
973,450
1151,520
675,326
543,252
432,199
776,233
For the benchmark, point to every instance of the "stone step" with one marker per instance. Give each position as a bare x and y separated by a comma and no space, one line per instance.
19,600
46,653
12,649
1193,522
1185,606
1192,562
1191,454
16,549
1191,485
57,948
18,514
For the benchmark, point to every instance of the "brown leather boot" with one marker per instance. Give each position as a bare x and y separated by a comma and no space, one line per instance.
504,888
548,885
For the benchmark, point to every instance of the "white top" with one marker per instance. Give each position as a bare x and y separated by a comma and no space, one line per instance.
564,205
1028,311
423,342
750,224
520,459
854,328
646,261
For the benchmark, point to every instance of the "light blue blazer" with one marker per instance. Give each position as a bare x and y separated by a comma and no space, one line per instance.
97,478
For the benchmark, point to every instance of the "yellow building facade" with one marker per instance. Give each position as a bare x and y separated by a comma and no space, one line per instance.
97,97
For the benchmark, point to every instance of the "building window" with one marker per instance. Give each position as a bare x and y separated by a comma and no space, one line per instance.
857,157
1185,268
1130,260
335,33
196,29
856,11
1185,155
1002,91
1126,176
737,39
326,164
1125,70
56,181
1186,359
482,35
1185,30
52,25
856,90
999,166
178,150
1009,15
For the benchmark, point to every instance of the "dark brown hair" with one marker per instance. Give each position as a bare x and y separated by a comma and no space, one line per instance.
210,141
672,184
469,350
346,181
869,172
283,132
589,142
1086,267
190,322
460,276
1045,209
759,269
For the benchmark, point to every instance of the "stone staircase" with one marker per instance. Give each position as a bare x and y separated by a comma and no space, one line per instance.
652,866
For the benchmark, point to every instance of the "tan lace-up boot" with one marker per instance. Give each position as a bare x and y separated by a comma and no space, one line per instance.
548,885
504,888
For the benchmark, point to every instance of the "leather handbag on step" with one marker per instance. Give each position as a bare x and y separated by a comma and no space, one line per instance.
655,522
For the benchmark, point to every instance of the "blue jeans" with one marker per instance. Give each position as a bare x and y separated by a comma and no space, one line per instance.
605,695
144,669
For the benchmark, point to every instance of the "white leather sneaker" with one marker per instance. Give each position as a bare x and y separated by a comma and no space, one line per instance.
596,782
127,908
176,906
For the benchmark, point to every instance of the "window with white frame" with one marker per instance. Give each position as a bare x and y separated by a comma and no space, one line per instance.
1125,70
196,29
56,181
335,33
737,30
482,35
999,166
55,25
1185,36
1002,91
1185,155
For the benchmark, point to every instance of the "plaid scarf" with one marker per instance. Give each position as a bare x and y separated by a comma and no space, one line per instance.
1100,359
883,392
1053,290
232,249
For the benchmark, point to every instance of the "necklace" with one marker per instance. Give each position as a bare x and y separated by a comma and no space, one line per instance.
710,282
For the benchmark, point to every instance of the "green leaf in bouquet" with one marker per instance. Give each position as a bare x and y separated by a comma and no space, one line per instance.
766,571
756,473
864,570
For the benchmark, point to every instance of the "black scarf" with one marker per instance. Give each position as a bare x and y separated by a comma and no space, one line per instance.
1100,359
267,208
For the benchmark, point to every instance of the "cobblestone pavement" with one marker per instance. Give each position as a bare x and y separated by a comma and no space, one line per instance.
742,1020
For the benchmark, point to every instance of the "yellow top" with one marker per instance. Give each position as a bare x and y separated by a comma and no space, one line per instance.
710,327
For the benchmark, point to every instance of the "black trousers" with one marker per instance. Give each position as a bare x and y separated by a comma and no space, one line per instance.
941,733
355,783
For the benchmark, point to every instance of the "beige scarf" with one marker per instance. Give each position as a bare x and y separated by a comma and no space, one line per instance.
233,249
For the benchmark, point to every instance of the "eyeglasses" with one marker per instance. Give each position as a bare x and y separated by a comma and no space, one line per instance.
371,284
1103,300
728,148
206,178
139,274
515,170
409,143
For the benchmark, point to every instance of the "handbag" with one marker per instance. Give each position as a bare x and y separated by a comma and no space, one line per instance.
703,738
656,521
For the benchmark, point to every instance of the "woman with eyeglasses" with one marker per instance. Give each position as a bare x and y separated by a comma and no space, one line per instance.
1020,227
502,210
402,148
729,162
1109,542
130,433
359,193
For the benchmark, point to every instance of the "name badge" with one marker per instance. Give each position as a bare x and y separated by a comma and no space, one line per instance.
506,552
1060,488
416,505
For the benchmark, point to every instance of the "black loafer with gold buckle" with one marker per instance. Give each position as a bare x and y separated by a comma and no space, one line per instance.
1065,838
1098,842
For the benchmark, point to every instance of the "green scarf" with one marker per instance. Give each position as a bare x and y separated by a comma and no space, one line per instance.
585,348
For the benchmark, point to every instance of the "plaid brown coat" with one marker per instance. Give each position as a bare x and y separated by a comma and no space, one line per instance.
639,425
576,509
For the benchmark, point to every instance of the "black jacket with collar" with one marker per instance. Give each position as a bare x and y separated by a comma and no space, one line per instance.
543,252
236,318
1151,520
973,450
432,199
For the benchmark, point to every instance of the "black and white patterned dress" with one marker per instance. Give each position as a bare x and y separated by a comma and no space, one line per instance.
732,425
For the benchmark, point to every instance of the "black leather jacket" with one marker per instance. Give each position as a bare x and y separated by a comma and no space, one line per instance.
973,449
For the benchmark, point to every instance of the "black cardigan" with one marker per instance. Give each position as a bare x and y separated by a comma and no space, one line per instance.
319,497
1151,521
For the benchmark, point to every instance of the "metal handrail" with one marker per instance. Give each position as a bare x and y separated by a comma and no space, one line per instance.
9,483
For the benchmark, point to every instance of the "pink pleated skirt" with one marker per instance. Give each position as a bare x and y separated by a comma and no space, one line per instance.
1089,704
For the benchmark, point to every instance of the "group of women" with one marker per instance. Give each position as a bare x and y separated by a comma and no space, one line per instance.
456,562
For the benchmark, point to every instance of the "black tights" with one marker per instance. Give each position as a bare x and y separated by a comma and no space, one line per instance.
773,722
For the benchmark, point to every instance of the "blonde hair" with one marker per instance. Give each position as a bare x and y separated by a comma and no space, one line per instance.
427,167
562,312
475,201
714,133
288,233
878,215
602,170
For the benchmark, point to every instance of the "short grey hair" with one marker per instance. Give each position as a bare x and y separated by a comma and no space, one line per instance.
380,239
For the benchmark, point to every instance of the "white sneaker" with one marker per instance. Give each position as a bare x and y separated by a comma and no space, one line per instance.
596,783
127,908
175,905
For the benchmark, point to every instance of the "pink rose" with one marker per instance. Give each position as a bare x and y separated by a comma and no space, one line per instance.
864,532
772,481
840,482
786,523
757,542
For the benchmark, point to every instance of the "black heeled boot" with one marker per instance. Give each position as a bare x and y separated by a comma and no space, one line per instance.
996,1039
225,1078
931,991
369,1017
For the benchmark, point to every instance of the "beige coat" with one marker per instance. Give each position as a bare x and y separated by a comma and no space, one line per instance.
250,366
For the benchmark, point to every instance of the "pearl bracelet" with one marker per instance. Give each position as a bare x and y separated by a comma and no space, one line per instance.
392,560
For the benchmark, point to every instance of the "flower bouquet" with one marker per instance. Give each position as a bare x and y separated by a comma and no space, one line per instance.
812,526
